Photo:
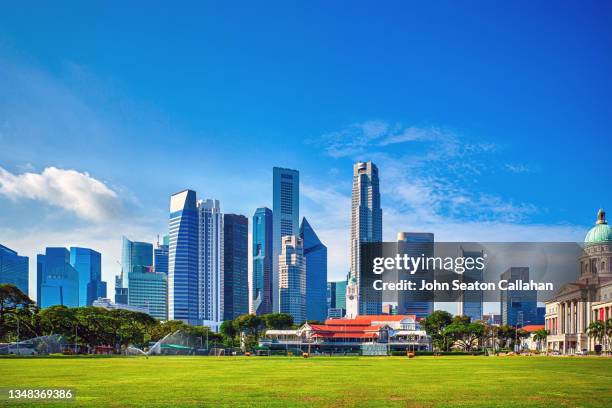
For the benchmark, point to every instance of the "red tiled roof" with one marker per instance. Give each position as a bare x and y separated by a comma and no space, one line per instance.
367,320
346,335
533,327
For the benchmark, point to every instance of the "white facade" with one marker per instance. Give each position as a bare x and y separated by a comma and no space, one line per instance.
210,262
292,278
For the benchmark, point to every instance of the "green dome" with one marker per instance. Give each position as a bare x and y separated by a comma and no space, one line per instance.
601,232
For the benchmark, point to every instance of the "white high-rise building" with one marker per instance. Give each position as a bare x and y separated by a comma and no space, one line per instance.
210,263
292,278
285,217
366,226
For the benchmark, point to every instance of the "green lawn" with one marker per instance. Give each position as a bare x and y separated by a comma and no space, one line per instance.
319,381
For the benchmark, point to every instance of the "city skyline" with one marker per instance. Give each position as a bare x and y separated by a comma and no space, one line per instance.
93,145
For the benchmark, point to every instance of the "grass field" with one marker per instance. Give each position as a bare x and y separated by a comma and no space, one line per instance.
318,382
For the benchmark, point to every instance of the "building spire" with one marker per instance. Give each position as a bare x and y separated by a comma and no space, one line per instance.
601,216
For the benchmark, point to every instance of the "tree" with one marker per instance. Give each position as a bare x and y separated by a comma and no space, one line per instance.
539,336
434,326
249,324
464,334
597,331
228,330
278,321
12,299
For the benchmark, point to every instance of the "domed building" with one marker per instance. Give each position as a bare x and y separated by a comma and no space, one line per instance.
588,299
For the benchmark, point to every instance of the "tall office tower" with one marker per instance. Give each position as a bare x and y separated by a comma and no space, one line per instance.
210,262
58,281
470,302
518,307
160,256
14,269
88,264
316,273
261,281
136,257
149,290
419,303
366,226
183,258
286,209
121,293
235,266
336,299
292,278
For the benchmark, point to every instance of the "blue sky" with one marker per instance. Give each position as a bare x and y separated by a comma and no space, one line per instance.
487,121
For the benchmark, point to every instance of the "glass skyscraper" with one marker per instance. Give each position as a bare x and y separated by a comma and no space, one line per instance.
315,254
261,289
149,290
136,257
58,281
470,303
14,269
160,256
419,303
88,264
210,262
183,258
286,209
336,298
292,278
518,307
235,266
366,226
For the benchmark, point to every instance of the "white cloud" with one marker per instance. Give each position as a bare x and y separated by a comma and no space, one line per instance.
517,168
79,193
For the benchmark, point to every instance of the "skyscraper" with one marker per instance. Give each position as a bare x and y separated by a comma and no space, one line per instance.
292,278
261,283
286,209
14,269
58,281
366,226
149,290
235,266
419,303
518,307
315,254
336,299
183,258
210,262
470,303
88,264
160,256
135,257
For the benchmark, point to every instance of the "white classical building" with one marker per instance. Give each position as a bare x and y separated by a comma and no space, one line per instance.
588,299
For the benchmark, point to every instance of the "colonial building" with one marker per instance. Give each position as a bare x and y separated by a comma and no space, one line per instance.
397,332
577,304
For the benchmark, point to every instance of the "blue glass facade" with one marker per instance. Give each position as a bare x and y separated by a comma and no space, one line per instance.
286,208
183,258
149,290
14,269
235,266
88,264
58,281
417,303
135,257
262,261
518,307
160,258
316,273
336,295
472,300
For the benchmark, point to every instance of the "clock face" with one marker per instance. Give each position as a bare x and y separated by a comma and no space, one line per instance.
351,297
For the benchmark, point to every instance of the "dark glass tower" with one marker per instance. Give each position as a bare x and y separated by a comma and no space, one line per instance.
14,269
316,273
58,281
261,290
235,266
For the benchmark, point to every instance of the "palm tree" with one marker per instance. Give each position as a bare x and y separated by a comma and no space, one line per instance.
539,336
596,330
